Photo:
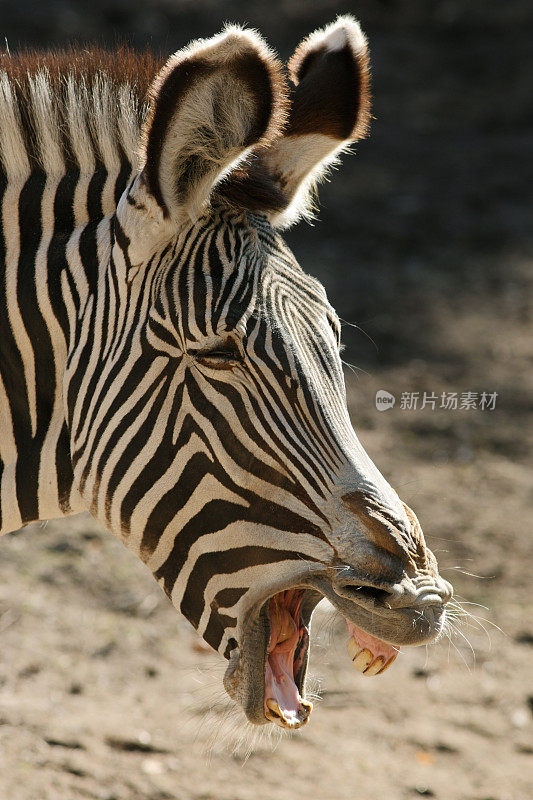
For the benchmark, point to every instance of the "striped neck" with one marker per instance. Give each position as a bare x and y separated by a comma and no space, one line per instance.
53,237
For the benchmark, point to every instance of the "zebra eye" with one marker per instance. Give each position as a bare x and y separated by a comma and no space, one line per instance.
223,354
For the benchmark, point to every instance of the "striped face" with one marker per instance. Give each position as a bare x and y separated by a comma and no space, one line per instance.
254,338
206,401
214,439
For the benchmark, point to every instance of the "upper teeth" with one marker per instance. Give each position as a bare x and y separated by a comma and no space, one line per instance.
364,660
375,667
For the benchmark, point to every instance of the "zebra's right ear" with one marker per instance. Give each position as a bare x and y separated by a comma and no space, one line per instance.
209,106
330,110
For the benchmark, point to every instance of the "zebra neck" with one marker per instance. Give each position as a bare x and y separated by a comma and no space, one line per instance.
52,235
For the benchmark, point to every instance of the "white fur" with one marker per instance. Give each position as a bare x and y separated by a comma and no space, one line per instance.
304,160
335,36
130,113
108,110
12,150
76,120
103,120
46,123
194,133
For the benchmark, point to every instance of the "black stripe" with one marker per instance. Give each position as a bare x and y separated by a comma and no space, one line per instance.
227,562
27,471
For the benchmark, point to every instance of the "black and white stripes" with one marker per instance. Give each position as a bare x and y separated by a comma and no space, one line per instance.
164,361
196,432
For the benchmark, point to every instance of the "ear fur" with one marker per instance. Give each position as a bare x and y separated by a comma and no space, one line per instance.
330,69
210,104
330,110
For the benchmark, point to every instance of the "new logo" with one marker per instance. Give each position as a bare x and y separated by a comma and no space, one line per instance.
384,400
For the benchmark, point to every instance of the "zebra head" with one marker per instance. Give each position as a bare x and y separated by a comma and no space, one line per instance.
212,434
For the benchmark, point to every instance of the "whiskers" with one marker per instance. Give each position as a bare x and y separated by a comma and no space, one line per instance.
358,328
458,617
219,726
326,621
355,369
468,574
230,732
313,688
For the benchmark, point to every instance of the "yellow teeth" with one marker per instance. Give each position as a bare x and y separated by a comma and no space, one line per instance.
273,706
387,665
364,661
353,647
275,714
375,667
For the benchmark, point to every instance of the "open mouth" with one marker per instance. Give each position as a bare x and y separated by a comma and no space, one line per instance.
288,644
267,671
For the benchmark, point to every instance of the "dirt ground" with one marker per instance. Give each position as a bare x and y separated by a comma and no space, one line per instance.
425,241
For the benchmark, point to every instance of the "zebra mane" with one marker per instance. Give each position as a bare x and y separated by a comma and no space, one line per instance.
75,109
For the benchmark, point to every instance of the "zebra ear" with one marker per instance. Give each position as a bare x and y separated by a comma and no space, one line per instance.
330,110
210,104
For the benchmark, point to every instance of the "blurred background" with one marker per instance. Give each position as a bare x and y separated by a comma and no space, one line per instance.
424,244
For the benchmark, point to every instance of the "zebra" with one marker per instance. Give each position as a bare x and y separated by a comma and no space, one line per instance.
167,365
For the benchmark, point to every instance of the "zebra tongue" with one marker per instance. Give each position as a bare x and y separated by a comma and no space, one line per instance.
283,702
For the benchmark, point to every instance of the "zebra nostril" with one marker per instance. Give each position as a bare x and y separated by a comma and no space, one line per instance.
361,592
394,596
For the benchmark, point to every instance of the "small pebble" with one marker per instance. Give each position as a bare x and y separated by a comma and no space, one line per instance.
151,766
520,718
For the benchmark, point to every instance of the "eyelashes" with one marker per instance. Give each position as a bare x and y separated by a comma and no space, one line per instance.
225,354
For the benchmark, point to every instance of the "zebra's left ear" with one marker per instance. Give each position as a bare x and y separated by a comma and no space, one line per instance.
210,104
